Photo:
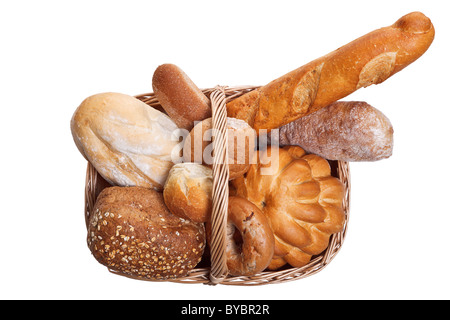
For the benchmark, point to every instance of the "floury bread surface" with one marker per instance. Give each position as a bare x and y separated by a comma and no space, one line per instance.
127,141
370,59
344,130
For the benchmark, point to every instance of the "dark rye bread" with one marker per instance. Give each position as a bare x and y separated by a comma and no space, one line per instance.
132,232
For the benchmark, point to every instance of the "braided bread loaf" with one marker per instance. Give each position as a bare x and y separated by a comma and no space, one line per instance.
301,199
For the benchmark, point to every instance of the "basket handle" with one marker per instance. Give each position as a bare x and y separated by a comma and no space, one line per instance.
220,190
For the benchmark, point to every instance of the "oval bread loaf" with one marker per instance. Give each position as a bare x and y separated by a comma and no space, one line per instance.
183,101
344,130
127,141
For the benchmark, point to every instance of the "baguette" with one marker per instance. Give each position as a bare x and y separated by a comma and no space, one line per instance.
345,131
370,59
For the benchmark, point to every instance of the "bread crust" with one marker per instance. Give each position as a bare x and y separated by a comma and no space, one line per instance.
132,232
370,59
183,101
241,145
188,191
128,142
256,251
344,130
301,200
250,243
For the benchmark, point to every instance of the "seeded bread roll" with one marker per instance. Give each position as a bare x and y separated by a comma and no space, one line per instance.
183,101
370,59
132,232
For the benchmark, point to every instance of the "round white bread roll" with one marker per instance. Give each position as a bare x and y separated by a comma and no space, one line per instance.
127,141
241,145
188,191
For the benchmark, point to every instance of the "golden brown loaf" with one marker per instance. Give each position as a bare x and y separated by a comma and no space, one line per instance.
370,59
127,141
241,145
183,101
188,191
133,233
344,130
301,199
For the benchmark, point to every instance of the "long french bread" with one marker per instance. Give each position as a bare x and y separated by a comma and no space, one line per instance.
370,59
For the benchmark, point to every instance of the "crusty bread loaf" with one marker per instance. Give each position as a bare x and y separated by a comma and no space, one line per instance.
183,101
370,59
346,131
241,145
188,191
133,233
301,199
127,141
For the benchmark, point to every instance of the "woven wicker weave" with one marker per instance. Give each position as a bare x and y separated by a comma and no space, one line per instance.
215,269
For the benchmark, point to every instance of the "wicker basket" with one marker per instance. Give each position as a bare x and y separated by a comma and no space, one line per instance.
213,269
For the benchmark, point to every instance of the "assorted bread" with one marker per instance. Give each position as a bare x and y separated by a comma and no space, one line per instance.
152,221
300,198
370,59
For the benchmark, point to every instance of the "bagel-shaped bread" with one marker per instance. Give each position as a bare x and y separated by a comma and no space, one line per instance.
249,240
300,198
132,232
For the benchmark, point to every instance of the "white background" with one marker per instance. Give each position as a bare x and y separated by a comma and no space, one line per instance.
56,53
